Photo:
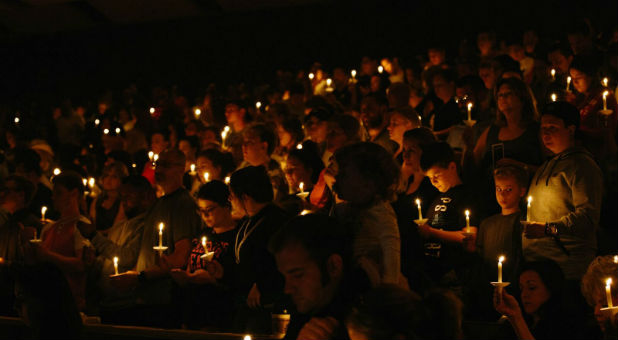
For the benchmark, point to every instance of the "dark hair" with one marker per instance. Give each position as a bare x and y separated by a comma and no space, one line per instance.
215,191
139,183
220,159
264,133
163,132
529,111
437,154
387,312
310,158
422,136
584,64
70,180
321,235
23,185
562,48
193,141
374,163
553,278
447,74
565,111
254,182
475,82
29,160
349,125
294,127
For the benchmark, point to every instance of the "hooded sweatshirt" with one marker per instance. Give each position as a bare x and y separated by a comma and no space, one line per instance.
566,190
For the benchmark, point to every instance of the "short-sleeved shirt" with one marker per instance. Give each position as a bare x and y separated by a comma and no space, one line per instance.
447,213
223,247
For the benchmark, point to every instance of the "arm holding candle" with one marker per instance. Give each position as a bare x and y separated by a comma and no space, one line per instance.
447,236
506,304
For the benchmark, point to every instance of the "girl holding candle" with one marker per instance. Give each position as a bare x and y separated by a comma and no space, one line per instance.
543,313
594,290
106,209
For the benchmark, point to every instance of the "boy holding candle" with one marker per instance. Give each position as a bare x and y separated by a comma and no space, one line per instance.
447,262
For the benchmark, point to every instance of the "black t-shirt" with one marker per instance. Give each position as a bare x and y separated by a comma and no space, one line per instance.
447,213
223,247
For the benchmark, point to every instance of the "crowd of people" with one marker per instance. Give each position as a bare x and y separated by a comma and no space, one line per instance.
372,203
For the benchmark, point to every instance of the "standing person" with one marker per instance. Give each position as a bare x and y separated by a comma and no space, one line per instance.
567,190
258,285
62,244
106,209
375,119
176,209
237,118
209,282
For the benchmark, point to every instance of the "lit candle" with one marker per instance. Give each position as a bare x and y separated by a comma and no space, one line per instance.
353,73
500,260
420,211
605,94
247,337
380,69
106,131
258,105
150,155
91,182
152,110
605,82
206,177
192,169
470,111
615,258
43,211
155,157
608,292
97,122
161,225
329,82
553,74
311,76
204,244
16,120
301,186
528,210
57,172
116,265
467,221
227,180
554,97
198,112
568,83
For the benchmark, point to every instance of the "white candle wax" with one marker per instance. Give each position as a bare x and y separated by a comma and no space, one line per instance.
467,221
500,260
528,210
227,180
605,100
420,211
568,83
553,74
43,211
161,225
192,169
116,265
608,293
554,97
301,186
204,244
469,111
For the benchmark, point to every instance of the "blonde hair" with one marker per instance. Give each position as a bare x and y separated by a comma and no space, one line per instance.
599,270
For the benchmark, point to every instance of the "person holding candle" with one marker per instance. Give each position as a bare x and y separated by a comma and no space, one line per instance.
218,164
177,210
568,189
543,313
594,289
447,114
305,166
238,118
402,120
290,133
62,244
414,186
257,282
375,119
443,233
208,283
514,135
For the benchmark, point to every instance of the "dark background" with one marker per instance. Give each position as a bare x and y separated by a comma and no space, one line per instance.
223,43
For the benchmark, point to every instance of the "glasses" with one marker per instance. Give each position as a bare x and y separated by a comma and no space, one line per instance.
461,99
207,211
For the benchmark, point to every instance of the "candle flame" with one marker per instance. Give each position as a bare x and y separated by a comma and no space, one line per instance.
418,201
150,155
155,157
470,106
247,337
501,259
152,110
161,226
198,112
380,69
204,242
57,171
529,201
311,76
608,282
615,258
206,176
43,210
554,97
106,131
299,146
97,121
84,181
91,182
467,213
353,73
329,82
258,105
115,260
301,186
605,94
192,167
569,79
553,72
605,81
227,180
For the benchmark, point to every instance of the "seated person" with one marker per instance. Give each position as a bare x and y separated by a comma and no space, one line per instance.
106,209
446,260
208,282
312,254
